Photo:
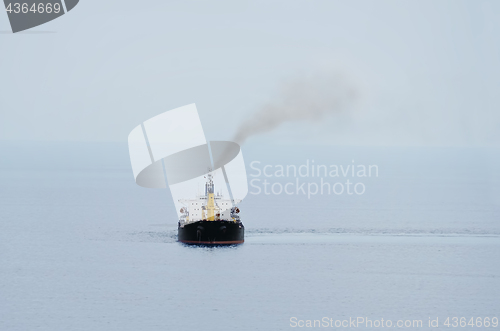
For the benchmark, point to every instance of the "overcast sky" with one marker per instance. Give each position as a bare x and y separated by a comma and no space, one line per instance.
427,72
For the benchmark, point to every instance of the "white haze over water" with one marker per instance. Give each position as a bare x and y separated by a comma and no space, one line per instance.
428,71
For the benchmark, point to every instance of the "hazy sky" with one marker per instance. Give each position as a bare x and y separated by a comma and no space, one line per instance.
427,72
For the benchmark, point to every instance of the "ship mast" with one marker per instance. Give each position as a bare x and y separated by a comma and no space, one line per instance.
209,193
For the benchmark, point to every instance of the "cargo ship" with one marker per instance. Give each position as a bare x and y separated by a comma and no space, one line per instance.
210,219
170,150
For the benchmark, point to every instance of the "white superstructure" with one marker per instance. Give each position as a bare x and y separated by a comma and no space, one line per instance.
209,207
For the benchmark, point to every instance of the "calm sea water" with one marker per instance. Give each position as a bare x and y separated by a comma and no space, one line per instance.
84,248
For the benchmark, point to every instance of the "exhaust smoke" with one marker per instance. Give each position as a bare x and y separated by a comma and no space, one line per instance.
306,98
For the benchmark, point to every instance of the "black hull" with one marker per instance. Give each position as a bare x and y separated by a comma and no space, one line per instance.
212,233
